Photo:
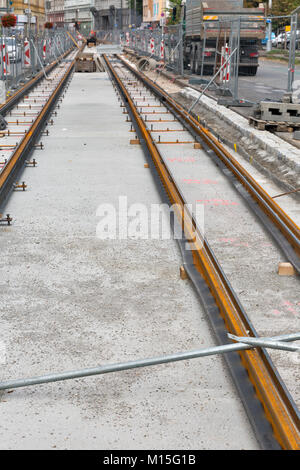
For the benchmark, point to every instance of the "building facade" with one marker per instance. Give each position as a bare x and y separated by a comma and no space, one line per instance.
147,11
153,10
115,14
79,11
55,12
3,6
33,9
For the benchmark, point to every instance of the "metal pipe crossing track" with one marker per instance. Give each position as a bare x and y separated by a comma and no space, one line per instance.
26,113
157,118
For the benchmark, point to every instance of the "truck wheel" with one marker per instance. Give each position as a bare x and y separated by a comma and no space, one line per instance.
208,70
252,71
247,71
197,66
192,65
192,61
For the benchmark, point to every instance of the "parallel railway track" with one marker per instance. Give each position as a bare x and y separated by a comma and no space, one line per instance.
15,97
257,380
282,228
26,113
219,298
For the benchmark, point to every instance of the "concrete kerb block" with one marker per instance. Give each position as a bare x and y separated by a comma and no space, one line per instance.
273,147
297,135
269,147
273,111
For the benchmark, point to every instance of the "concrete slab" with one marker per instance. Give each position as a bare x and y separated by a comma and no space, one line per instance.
246,252
271,148
71,300
109,49
244,249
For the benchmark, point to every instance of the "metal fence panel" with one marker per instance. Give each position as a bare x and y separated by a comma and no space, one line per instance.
23,55
165,45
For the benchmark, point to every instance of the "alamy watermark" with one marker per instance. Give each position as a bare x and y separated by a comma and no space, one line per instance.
154,222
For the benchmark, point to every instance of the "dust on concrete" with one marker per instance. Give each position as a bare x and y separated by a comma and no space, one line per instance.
288,178
247,254
70,300
232,136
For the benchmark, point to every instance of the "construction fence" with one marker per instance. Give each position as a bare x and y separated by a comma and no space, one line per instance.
24,56
164,45
110,37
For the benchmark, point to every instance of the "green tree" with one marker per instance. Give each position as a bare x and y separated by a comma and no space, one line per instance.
174,4
284,7
279,8
251,3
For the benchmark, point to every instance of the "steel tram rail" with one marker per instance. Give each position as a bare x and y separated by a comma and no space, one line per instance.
279,408
282,228
15,97
15,164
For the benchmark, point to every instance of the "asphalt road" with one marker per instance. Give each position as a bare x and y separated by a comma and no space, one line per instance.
270,83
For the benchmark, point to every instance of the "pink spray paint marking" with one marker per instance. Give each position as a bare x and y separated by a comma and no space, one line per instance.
182,160
233,241
288,306
217,202
276,312
227,240
196,181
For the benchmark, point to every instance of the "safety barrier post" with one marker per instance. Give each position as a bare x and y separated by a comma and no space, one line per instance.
292,53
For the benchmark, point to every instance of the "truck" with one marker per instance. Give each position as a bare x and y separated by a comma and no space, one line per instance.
208,26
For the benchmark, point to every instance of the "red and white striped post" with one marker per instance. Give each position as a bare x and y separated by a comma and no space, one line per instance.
27,60
127,39
44,50
152,49
162,42
162,50
225,74
79,39
5,60
222,63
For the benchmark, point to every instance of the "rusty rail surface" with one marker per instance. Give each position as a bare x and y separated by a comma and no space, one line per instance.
14,165
15,97
278,406
275,214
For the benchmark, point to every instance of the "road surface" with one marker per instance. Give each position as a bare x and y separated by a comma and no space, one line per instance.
270,83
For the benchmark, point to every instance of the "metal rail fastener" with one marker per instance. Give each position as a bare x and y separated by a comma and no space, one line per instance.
279,407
